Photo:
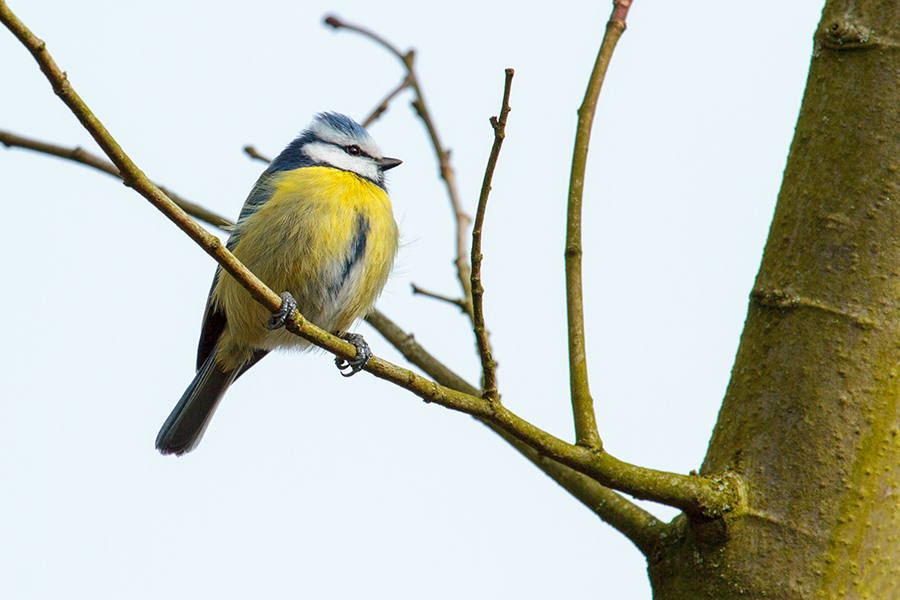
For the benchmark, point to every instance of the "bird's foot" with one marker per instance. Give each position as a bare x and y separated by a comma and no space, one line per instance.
363,355
280,316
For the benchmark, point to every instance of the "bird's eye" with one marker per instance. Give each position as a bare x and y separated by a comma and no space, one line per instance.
354,150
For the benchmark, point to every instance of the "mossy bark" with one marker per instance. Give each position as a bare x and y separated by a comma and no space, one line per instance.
811,418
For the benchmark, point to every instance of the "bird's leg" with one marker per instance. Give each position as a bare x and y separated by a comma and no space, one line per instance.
363,355
288,306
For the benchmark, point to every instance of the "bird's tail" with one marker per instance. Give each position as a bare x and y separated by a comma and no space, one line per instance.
185,426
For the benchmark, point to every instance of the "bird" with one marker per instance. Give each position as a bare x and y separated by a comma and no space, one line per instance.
318,227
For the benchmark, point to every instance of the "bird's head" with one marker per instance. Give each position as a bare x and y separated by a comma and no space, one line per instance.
336,140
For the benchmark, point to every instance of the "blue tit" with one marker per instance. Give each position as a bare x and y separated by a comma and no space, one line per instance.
318,226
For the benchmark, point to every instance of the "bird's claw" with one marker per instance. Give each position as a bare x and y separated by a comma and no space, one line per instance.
280,316
363,355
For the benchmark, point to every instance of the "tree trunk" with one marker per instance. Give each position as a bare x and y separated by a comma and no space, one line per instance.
810,419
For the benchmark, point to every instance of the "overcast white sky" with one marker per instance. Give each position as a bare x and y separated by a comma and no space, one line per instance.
308,485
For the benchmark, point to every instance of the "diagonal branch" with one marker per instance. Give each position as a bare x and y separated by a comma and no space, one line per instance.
79,155
582,403
488,365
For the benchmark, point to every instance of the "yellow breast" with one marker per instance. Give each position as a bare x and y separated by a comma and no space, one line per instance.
328,237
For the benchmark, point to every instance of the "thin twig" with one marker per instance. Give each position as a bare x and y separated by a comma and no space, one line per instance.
697,496
337,23
252,153
463,269
79,155
461,304
488,365
379,110
582,404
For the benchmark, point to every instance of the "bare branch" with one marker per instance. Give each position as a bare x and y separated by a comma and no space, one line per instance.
458,302
379,110
582,403
79,155
337,23
488,365
252,153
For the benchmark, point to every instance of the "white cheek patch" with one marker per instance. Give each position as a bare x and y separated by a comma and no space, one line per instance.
335,157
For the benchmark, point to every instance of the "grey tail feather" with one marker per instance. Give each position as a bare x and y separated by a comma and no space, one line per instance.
185,426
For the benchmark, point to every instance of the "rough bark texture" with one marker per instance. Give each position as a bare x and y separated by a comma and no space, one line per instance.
812,414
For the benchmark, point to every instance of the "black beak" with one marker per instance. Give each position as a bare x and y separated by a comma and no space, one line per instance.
388,163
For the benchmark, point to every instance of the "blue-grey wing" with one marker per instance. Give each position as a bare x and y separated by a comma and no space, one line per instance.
214,321
260,194
214,318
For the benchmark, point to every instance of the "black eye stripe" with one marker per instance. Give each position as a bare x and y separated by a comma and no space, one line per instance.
354,150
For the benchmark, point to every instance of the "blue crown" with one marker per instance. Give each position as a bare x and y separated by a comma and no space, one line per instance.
293,157
342,123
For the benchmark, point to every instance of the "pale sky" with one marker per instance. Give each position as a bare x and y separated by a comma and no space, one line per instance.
309,485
